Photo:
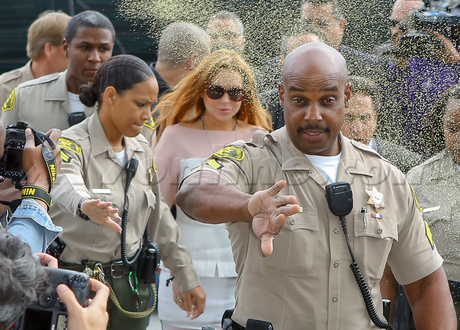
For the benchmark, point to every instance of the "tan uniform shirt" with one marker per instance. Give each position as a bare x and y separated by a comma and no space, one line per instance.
436,183
10,80
89,165
307,282
43,103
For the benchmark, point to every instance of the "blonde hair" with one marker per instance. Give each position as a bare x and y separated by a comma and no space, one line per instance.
185,103
50,27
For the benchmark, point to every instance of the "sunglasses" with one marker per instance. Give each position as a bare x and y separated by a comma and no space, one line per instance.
235,94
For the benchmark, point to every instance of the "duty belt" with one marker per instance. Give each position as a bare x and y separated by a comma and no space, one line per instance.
114,269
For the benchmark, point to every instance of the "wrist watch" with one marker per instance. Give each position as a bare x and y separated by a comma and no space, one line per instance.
79,212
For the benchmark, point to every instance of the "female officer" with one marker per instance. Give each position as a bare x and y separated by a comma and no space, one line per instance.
213,106
94,182
436,183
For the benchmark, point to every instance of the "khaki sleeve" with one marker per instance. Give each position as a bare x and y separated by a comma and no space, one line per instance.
10,109
70,187
232,164
164,230
414,256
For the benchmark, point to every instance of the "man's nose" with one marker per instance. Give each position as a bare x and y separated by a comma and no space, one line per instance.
313,113
94,56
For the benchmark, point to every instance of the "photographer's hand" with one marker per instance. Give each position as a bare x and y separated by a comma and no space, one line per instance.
33,163
101,213
93,317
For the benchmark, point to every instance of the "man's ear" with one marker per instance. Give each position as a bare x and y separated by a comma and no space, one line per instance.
66,45
48,49
281,92
192,62
342,23
347,95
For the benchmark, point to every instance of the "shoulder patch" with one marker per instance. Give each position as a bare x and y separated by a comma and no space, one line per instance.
429,235
65,158
214,163
230,152
66,144
9,104
150,124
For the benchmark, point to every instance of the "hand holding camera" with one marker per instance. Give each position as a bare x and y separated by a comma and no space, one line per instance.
33,164
61,308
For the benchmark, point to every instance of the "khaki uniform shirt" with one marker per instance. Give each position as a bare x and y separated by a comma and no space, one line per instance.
10,80
43,103
90,169
307,282
436,183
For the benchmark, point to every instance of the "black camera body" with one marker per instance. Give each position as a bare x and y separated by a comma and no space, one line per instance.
11,162
436,16
49,313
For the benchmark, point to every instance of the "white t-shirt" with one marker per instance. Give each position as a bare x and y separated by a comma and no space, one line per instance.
327,165
122,157
75,103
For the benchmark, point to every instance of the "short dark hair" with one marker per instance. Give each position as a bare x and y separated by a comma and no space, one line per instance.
121,71
336,9
22,278
298,29
433,132
226,15
88,18
362,85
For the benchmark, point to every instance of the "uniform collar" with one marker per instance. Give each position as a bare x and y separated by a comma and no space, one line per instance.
292,159
446,168
59,90
27,73
100,144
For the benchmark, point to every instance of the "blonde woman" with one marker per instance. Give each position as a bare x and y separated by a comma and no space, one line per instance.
213,106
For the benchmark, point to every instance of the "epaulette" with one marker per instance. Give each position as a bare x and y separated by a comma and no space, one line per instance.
364,148
42,80
258,139
8,76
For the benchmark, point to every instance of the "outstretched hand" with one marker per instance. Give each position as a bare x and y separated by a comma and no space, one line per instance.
269,214
101,213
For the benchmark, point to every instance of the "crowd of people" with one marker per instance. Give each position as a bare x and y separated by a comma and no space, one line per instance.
225,166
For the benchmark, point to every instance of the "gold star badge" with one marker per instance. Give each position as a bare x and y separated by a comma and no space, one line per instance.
375,199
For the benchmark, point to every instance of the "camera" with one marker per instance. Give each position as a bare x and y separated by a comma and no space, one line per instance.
11,162
436,16
49,313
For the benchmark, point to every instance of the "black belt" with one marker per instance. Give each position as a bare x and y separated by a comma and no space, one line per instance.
115,268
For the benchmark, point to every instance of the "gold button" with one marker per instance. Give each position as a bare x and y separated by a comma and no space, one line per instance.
336,264
292,222
336,230
379,231
334,299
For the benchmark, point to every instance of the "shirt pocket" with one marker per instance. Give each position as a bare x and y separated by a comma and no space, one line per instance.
294,248
373,241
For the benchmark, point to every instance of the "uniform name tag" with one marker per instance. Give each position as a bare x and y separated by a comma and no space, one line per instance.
101,191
